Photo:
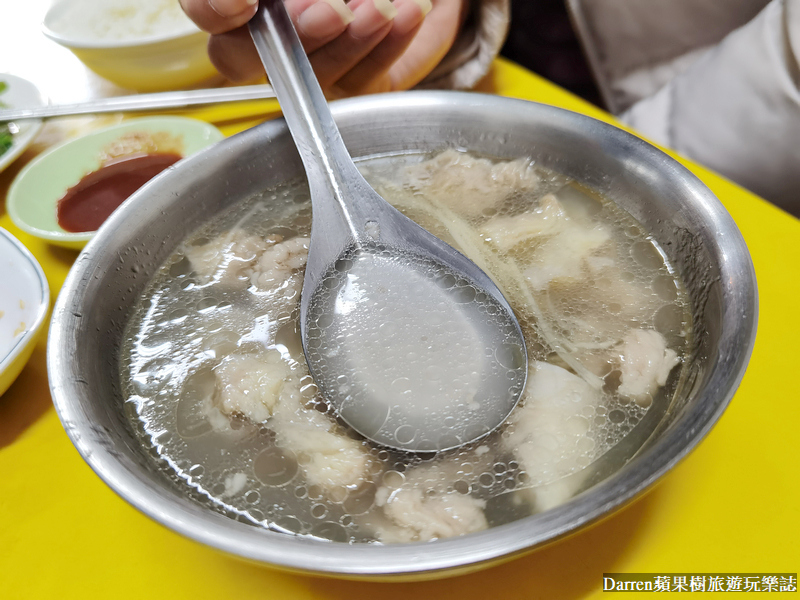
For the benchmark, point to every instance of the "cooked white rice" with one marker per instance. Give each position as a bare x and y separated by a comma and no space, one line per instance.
120,20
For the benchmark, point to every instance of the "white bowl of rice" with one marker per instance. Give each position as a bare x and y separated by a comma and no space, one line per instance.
142,45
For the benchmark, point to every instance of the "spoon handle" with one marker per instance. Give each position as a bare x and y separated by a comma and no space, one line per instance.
345,208
328,165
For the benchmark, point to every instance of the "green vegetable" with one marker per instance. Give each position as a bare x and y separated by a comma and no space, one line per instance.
5,134
5,138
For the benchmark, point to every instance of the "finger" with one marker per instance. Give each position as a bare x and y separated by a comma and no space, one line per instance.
318,21
218,16
435,37
369,75
372,22
369,16
321,18
233,54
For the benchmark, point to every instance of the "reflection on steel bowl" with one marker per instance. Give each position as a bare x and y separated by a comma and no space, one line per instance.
145,420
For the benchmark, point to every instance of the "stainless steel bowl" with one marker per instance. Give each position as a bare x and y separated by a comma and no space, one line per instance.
692,227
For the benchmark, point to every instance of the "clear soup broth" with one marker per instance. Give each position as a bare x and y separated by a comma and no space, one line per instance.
218,387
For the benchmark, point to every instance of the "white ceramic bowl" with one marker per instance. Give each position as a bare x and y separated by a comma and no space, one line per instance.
20,93
171,56
24,300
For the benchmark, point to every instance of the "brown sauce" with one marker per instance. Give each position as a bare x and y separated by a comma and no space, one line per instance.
90,202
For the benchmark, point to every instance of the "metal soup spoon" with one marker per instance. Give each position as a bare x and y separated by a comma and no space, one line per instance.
411,343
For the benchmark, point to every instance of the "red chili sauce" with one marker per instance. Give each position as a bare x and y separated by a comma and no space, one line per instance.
90,202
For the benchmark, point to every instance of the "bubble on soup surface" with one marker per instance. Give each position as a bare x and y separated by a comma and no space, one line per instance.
665,287
221,343
360,500
646,254
330,531
154,376
670,322
275,466
191,416
289,523
180,267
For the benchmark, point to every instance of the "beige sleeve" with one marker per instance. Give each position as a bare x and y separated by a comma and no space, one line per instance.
634,47
737,108
476,46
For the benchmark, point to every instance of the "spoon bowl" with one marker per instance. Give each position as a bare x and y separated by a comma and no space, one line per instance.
412,343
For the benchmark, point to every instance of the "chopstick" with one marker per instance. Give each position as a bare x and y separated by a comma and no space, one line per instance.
142,102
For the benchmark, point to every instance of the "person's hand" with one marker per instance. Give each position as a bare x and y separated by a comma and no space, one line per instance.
360,47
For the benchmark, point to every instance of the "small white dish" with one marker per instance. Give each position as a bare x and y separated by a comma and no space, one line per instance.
20,93
34,194
24,302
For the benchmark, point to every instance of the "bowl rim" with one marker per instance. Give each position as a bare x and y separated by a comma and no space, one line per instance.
420,559
44,301
70,239
34,98
83,43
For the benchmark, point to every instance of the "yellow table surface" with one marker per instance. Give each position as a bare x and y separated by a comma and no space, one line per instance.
731,506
